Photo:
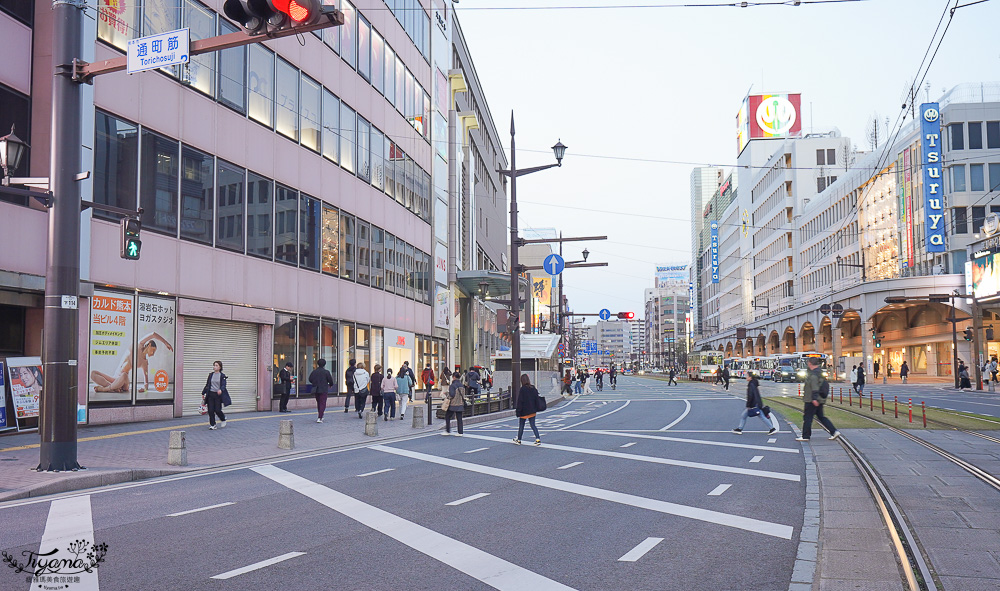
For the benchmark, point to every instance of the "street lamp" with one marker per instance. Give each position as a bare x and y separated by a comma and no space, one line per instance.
586,253
559,150
12,149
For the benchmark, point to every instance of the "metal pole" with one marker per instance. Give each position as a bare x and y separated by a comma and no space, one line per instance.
60,332
515,296
559,315
954,340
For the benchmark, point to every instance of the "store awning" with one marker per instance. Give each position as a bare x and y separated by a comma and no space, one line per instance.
497,283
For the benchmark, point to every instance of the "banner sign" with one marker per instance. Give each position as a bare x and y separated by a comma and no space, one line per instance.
930,138
25,385
3,402
715,252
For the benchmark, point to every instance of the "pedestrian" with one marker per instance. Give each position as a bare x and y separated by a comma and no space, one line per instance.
888,369
815,392
349,383
854,378
861,380
404,390
875,369
755,406
904,370
285,377
527,407
409,372
963,376
567,380
578,382
376,389
473,377
718,375
725,378
215,395
455,404
599,378
321,380
427,377
994,368
586,383
388,396
672,374
362,387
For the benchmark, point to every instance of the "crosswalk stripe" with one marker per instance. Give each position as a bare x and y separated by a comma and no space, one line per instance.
640,550
70,520
719,490
257,565
695,441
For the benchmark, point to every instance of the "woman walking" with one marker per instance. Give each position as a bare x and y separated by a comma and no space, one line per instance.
388,396
456,404
904,370
404,391
527,407
321,380
362,382
376,389
215,396
754,406
567,381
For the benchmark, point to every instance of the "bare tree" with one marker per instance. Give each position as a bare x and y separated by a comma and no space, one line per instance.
847,154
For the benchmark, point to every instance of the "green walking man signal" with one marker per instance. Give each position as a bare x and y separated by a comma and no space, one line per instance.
131,245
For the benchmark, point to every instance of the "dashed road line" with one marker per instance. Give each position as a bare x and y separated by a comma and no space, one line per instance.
467,499
772,440
257,565
376,472
695,441
472,451
199,509
629,444
719,490
756,459
568,466
638,552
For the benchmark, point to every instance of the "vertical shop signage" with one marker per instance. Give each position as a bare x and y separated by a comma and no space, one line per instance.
3,402
930,139
715,252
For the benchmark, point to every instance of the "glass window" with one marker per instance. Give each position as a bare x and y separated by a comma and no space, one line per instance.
328,336
408,102
959,217
410,190
364,48
994,176
348,34
197,187
378,174
425,121
347,258
978,216
364,252
116,149
331,35
261,85
390,75
364,149
975,135
284,350
958,177
331,240
957,136
161,16
378,61
389,167
347,351
229,208
309,233
286,210
331,125
377,257
286,80
425,201
308,351
411,274
378,346
23,10
993,134
158,182
232,72
310,114
259,212
400,86
348,123
390,262
976,180
117,22
198,73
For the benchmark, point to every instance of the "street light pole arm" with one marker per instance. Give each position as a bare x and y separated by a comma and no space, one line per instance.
524,171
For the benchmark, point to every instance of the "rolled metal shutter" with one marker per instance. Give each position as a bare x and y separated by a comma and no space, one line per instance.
233,343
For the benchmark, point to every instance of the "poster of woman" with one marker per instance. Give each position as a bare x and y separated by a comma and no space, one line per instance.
25,385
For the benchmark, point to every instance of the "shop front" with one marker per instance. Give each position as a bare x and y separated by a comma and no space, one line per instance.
400,346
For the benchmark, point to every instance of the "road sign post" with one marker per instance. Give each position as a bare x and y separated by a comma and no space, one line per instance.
554,264
605,314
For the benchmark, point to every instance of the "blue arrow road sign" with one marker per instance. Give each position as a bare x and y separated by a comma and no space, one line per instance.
605,314
554,264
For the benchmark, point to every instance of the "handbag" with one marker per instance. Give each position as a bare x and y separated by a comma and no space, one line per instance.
753,412
446,403
461,391
203,409
542,404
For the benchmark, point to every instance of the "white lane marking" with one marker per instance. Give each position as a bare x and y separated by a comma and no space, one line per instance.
472,451
257,565
489,569
719,490
467,499
756,459
376,472
70,520
629,444
695,441
656,460
736,521
597,417
637,552
687,409
570,465
189,511
772,440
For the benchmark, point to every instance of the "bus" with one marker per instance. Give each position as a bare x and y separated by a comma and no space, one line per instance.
766,367
701,364
791,367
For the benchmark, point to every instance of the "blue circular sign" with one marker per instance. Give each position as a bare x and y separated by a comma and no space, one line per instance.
554,264
605,314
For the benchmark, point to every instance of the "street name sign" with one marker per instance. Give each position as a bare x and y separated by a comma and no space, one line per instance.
158,51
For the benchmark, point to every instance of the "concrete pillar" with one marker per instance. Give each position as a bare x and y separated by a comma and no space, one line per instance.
866,345
837,346
286,438
418,416
371,423
932,360
177,454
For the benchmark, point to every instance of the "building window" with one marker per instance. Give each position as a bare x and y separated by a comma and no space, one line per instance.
364,253
259,211
232,72
22,10
994,176
348,34
331,126
378,61
286,80
158,183
15,111
390,167
364,48
197,188
410,272
199,72
348,124
975,135
261,85
364,150
957,136
377,168
309,233
978,216
347,257
960,220
116,145
310,114
390,75
331,35
116,22
976,180
377,257
286,207
958,177
390,263
993,134
331,240
229,208
400,86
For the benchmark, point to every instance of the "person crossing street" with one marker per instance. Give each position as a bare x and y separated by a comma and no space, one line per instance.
815,391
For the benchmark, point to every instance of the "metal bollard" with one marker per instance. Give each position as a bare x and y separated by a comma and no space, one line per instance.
871,402
430,407
800,390
883,402
923,411
286,436
841,394
177,453
910,404
371,423
850,398
418,417
895,406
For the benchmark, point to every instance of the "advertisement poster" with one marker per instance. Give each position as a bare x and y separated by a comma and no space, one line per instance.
155,331
3,402
25,385
441,308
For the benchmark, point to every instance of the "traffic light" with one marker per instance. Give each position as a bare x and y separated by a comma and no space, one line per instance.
130,243
626,315
255,15
302,12
968,334
252,15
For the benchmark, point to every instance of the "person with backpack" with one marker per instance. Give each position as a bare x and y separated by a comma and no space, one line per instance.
755,407
321,380
859,383
529,403
567,380
349,383
725,378
472,377
388,395
376,388
455,404
815,392
404,390
904,370
672,375
427,377
362,381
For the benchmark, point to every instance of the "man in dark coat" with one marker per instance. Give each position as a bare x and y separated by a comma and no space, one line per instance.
349,380
285,377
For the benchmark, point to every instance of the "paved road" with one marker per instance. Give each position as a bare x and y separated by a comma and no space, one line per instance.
638,488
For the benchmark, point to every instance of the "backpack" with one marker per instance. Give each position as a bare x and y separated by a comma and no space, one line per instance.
824,388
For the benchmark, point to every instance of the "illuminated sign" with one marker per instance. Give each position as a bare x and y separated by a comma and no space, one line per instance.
715,252
765,116
930,139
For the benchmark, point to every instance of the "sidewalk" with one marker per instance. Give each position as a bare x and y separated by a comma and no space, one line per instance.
114,454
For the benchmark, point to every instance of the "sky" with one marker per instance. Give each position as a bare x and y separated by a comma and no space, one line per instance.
643,95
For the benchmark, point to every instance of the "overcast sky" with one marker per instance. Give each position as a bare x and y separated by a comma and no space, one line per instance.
642,95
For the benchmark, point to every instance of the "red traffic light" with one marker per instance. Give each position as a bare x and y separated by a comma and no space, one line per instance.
302,12
626,315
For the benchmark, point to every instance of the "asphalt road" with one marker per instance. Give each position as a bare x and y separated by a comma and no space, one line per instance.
644,487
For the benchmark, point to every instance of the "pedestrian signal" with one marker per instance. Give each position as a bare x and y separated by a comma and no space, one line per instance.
130,243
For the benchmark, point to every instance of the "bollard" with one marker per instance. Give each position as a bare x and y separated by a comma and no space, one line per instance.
923,411
286,437
850,398
418,417
871,402
371,423
883,402
800,390
177,453
841,394
895,406
430,407
910,405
